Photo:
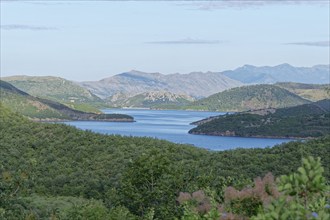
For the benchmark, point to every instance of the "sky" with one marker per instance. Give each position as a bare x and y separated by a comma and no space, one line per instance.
91,40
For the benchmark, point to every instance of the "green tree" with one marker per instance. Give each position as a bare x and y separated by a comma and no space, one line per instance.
148,184
304,195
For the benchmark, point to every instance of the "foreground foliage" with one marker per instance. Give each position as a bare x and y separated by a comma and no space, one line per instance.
301,195
60,172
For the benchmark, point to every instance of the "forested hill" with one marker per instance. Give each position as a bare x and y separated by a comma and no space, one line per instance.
58,171
43,109
303,121
57,89
248,98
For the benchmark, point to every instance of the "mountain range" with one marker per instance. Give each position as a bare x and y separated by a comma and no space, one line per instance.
156,90
154,99
196,84
248,74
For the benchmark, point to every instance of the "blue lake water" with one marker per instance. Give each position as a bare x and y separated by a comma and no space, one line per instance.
172,125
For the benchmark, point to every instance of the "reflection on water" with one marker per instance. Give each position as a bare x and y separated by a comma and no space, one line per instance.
172,125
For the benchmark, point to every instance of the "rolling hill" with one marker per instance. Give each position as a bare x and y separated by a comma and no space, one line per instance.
303,121
57,89
196,84
248,74
47,110
248,98
312,92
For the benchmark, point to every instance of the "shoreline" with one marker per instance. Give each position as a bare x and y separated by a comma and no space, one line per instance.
254,136
69,120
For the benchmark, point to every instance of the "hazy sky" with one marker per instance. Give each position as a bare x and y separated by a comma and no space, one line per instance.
90,40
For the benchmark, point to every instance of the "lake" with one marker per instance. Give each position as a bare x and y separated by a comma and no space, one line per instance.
172,125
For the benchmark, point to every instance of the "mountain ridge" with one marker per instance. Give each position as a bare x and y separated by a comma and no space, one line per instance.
249,74
196,84
152,99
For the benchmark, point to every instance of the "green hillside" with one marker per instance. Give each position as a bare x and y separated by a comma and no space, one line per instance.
43,109
54,171
59,90
312,92
248,97
308,120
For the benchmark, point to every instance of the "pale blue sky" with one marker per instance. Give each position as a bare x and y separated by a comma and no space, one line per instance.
91,40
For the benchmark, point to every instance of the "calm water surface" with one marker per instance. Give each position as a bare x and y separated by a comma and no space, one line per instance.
172,125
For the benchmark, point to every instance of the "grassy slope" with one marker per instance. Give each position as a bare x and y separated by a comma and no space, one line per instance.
308,120
312,92
247,98
27,105
59,90
38,108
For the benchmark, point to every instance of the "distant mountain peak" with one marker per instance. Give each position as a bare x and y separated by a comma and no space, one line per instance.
285,65
248,66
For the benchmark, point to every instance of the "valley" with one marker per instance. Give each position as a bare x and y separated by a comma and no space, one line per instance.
164,110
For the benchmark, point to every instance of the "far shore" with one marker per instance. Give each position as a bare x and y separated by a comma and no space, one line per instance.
253,136
69,120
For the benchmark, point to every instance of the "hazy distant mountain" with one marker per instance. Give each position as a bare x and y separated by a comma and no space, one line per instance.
154,99
319,74
249,98
57,89
196,84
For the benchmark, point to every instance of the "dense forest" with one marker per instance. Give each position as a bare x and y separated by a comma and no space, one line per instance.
303,121
59,172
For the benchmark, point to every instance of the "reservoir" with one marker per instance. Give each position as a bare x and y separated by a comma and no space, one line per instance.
172,125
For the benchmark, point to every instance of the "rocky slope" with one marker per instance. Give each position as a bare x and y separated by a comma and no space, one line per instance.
196,84
154,99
